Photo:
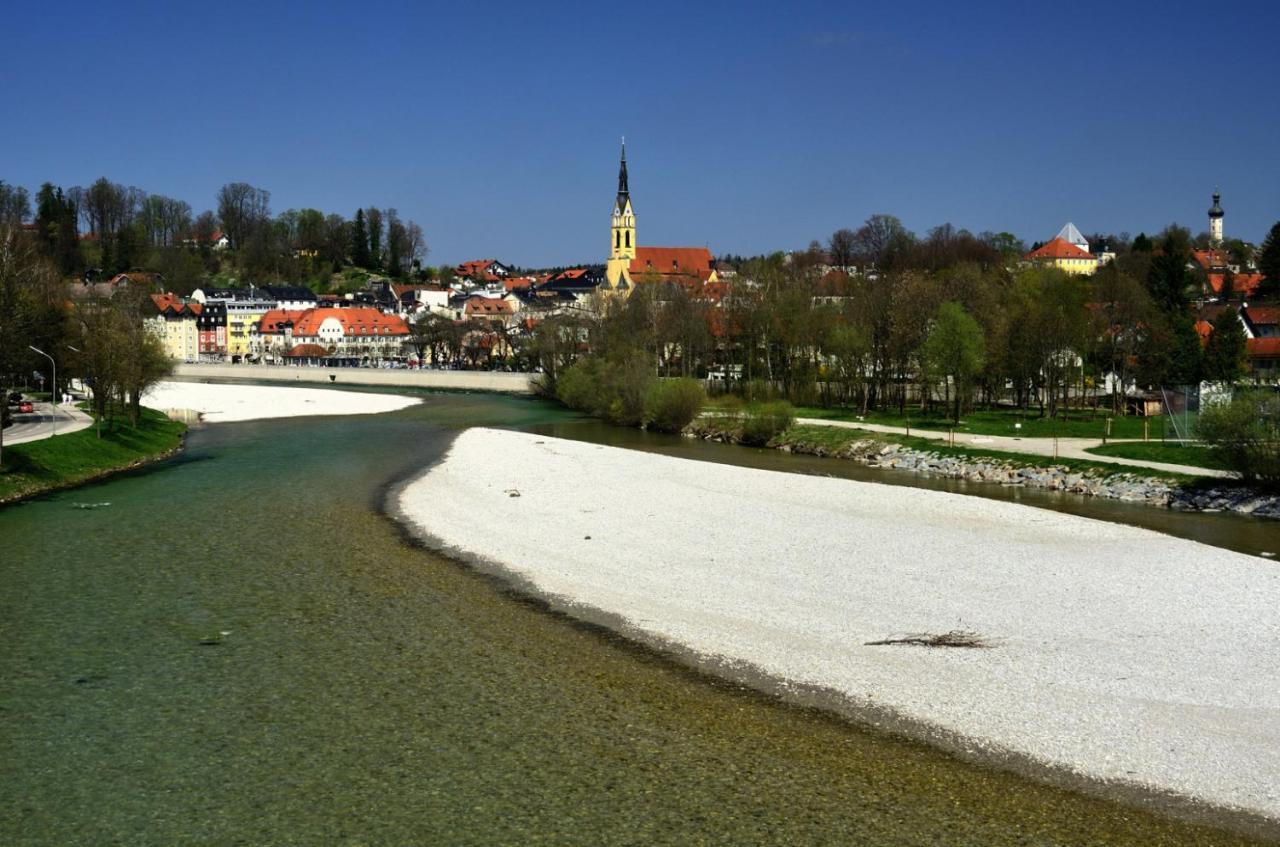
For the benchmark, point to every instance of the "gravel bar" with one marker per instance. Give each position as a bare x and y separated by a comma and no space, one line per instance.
1112,653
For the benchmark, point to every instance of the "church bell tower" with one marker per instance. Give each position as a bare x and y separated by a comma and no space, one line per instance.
622,231
1215,219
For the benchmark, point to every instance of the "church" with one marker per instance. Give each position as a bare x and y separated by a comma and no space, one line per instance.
630,264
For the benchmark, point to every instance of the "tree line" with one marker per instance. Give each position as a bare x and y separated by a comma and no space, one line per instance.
109,228
878,319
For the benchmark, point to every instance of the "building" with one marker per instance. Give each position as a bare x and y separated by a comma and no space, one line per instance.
1215,220
354,332
1068,251
481,271
295,297
211,327
174,322
629,263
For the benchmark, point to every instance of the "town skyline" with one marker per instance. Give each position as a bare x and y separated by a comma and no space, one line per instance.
778,132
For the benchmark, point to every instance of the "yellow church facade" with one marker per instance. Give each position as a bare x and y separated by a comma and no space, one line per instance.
630,264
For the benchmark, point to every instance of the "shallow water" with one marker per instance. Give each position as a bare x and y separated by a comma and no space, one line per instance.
241,648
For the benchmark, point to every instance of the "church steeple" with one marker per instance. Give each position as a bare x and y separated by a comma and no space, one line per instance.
1215,218
623,222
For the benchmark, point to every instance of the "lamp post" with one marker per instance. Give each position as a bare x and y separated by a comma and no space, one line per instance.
54,392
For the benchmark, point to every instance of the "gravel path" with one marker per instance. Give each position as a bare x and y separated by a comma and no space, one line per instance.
218,403
1118,653
1067,448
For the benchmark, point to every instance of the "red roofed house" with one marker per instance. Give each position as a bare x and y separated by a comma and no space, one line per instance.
173,320
1062,254
358,332
1262,345
482,270
1242,285
629,263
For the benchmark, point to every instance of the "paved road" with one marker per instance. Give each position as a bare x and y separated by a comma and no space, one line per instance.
40,424
1068,448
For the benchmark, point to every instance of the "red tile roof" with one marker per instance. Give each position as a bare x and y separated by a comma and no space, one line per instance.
487,306
173,304
1204,329
1058,248
1263,348
270,322
517,283
1242,285
1209,259
672,261
1262,315
357,321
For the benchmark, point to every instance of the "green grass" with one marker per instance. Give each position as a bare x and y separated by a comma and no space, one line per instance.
1075,423
66,460
1171,452
835,438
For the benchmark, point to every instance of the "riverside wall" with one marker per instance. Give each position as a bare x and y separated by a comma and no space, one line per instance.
512,383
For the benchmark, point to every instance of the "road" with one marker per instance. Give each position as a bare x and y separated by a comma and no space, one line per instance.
1067,448
40,424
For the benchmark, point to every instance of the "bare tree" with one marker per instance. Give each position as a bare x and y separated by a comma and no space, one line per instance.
843,247
242,209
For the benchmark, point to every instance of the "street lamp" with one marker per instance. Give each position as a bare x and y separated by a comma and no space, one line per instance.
54,392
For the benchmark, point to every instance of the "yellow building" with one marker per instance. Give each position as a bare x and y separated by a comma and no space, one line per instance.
174,323
630,263
1060,253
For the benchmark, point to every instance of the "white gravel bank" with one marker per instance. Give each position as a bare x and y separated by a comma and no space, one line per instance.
222,403
1121,654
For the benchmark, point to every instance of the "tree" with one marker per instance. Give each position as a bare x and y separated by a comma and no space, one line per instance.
396,244
359,241
242,210
374,220
1225,355
955,350
1269,263
877,237
14,205
1246,433
843,247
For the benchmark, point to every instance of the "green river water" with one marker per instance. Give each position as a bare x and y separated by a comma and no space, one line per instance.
241,648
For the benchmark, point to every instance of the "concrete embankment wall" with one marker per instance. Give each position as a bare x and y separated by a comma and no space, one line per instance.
456,380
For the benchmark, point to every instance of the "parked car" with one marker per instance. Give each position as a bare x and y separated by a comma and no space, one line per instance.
25,407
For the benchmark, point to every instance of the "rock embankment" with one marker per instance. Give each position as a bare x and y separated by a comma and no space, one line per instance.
1128,487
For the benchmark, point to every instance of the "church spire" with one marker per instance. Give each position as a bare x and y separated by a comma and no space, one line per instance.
624,193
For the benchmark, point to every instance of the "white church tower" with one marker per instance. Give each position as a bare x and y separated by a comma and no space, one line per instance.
1215,220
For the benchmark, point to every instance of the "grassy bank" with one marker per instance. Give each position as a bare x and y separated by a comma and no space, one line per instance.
1171,452
68,460
1074,423
834,439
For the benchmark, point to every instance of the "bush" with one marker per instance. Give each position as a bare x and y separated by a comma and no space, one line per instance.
761,424
1245,435
670,404
615,391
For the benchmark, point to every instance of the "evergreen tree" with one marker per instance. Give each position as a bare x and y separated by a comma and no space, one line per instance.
359,241
1168,278
1141,244
1269,263
1224,355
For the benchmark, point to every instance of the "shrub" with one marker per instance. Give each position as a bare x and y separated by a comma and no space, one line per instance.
1245,434
614,391
670,404
761,424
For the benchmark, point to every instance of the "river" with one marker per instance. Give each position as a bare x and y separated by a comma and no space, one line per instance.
238,646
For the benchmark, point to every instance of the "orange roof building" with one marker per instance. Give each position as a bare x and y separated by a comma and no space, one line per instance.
630,264
1062,254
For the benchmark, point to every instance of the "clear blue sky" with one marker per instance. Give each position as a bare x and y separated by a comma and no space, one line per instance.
750,126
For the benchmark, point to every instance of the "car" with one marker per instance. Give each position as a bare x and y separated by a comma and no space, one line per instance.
25,407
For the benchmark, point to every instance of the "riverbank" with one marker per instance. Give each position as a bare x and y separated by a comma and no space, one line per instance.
1134,484
510,383
1105,653
221,403
78,458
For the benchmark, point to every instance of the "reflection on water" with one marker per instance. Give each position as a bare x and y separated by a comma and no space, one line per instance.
242,649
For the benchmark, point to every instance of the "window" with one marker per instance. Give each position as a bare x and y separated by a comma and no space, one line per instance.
617,239
628,238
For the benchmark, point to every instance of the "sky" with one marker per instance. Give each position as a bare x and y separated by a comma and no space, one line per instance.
750,127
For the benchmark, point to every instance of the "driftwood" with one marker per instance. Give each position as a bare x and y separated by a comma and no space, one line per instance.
954,638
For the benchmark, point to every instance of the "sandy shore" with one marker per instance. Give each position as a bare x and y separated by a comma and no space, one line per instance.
1118,654
218,403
